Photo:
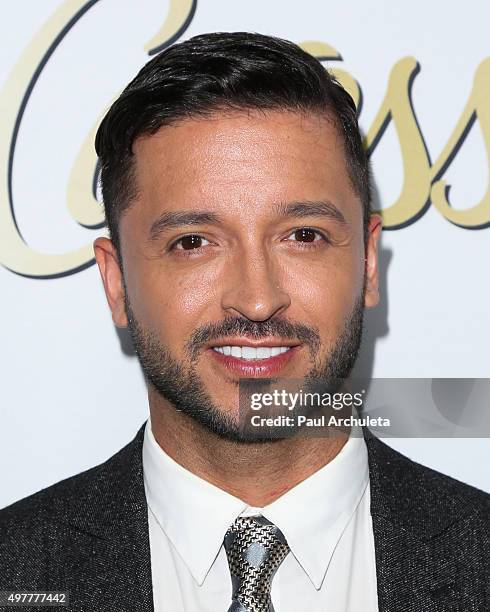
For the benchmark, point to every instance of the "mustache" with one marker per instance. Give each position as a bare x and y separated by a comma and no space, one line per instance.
256,330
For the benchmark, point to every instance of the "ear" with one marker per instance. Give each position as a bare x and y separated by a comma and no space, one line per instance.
371,296
111,273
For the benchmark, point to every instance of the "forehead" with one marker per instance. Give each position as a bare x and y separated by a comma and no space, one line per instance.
243,159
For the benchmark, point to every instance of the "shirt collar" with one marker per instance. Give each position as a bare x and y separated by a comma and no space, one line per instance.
188,508
312,515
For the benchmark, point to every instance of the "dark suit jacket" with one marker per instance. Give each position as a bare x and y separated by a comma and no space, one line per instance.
89,535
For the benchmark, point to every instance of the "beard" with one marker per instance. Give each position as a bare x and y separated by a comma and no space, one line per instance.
181,386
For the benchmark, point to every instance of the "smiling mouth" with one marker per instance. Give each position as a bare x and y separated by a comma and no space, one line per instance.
250,353
254,361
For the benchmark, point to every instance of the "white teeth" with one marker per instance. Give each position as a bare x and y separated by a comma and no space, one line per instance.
236,351
250,353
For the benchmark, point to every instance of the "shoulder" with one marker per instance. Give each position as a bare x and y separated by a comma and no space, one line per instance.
420,496
88,500
69,495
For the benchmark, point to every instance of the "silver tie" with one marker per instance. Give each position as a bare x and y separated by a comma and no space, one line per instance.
255,548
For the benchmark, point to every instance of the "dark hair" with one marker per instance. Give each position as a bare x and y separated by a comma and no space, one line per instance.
212,72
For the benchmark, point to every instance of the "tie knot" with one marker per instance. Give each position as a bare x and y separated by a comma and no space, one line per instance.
255,548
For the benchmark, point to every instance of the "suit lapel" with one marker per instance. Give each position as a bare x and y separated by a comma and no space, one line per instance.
409,574
105,562
415,535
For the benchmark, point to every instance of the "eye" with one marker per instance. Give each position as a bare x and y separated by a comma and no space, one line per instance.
190,242
307,234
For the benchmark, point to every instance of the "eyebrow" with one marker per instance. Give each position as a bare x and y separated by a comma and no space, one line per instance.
173,219
310,209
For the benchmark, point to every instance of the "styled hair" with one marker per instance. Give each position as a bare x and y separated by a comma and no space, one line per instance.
218,72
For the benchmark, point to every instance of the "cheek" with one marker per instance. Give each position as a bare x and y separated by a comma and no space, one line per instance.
194,293
325,292
173,303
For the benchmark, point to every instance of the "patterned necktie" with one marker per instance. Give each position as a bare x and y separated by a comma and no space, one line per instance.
255,548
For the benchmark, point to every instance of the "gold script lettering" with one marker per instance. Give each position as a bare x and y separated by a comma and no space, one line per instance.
15,253
476,109
83,206
397,107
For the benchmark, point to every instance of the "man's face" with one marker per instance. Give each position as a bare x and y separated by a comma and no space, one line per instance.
243,257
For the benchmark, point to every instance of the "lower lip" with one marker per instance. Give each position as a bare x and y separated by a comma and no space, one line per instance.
255,368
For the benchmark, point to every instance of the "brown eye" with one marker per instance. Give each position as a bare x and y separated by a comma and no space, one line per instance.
187,243
305,234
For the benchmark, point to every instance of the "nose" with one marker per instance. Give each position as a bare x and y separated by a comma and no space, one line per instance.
252,287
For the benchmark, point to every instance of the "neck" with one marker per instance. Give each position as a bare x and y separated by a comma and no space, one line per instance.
257,473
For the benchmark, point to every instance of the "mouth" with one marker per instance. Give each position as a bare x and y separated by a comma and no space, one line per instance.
254,360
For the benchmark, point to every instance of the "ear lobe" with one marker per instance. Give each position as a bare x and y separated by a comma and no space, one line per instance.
112,278
371,295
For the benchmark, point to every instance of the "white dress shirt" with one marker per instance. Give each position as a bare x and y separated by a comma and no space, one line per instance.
325,519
